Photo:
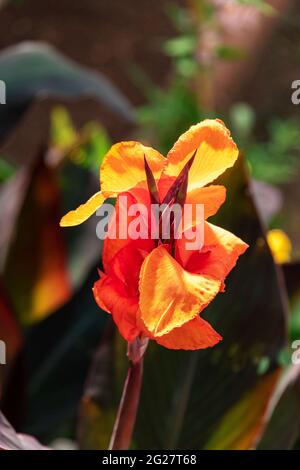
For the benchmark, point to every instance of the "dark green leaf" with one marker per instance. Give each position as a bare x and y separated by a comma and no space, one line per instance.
283,428
34,69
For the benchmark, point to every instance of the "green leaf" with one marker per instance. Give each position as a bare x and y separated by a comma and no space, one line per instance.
226,52
85,147
180,46
169,114
276,159
186,67
242,118
261,5
96,144
62,131
33,70
6,170
180,17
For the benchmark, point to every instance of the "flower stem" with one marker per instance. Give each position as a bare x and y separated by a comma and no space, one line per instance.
126,416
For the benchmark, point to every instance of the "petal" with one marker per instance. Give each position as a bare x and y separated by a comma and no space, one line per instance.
122,169
169,295
195,334
126,266
117,291
217,257
113,244
83,212
123,166
212,197
112,247
111,296
216,152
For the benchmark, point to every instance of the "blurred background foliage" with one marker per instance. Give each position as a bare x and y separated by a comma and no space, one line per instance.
108,71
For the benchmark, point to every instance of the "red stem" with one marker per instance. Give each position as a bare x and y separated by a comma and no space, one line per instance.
124,424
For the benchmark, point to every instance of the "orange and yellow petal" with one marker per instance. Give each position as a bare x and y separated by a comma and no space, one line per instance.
123,166
169,295
111,296
122,169
218,256
195,334
212,197
83,212
216,151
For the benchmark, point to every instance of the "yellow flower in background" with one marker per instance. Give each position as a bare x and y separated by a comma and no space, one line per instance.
280,245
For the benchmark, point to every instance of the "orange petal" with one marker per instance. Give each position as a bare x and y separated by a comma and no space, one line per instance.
112,297
216,152
212,197
111,246
122,169
123,166
117,290
126,266
195,334
169,295
217,257
83,212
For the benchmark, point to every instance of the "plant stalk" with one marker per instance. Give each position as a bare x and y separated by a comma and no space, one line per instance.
126,416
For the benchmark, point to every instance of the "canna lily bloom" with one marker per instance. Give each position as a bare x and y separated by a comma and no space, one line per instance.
158,289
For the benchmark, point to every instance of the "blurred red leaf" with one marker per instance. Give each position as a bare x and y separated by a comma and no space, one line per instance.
9,327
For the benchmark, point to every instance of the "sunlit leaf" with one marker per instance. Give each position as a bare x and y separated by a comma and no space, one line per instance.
283,428
180,46
6,170
256,400
62,132
85,147
35,273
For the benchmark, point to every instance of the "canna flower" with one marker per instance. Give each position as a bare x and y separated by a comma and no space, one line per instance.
158,289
